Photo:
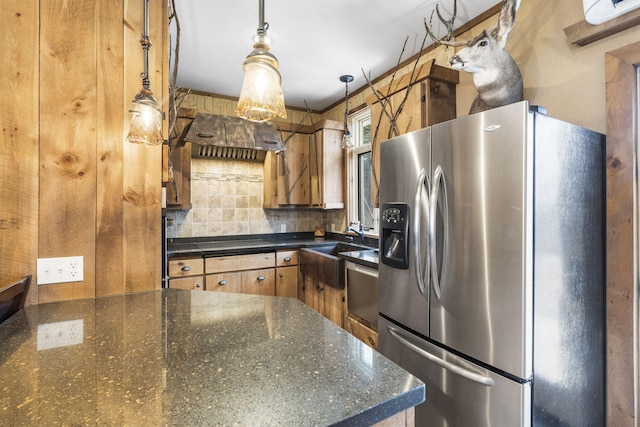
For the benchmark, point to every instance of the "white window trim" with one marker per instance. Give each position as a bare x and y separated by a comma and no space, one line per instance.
356,121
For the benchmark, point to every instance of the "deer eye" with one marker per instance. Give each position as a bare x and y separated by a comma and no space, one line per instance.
483,43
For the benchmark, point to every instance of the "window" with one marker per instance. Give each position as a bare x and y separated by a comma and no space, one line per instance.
360,173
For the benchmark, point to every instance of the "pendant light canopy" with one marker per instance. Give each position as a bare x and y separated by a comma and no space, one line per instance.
261,96
146,120
347,138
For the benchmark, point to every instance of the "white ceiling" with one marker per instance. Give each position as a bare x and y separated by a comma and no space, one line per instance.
315,42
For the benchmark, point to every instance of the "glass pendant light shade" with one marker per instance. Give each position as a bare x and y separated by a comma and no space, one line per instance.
261,96
347,140
146,121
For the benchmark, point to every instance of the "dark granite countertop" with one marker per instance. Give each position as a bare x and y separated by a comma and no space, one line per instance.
174,357
218,246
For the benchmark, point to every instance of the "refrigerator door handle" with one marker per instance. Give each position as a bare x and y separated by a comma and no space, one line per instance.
439,186
465,373
423,277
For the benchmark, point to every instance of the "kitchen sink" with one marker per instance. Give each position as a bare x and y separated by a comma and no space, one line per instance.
323,264
335,248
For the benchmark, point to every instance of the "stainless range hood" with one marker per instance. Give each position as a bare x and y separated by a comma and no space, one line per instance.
214,136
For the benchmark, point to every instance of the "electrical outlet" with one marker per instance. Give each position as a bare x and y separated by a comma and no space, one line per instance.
60,270
60,334
283,228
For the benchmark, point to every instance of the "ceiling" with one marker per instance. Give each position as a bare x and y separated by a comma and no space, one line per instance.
315,42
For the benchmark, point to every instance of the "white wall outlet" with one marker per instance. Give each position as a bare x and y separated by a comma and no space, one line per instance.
283,228
60,270
60,334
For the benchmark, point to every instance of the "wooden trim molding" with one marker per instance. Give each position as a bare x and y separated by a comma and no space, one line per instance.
621,76
582,33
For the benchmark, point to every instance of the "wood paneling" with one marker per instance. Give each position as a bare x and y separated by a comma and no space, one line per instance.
19,119
622,139
68,120
110,96
71,185
142,177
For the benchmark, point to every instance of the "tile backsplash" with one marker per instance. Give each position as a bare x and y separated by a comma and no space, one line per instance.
226,198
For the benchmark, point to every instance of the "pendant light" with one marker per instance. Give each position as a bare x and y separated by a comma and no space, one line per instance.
146,114
347,138
261,96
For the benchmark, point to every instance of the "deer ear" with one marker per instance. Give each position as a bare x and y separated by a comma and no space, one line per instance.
506,19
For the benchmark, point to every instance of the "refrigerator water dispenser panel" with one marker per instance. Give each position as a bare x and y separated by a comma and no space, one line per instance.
395,235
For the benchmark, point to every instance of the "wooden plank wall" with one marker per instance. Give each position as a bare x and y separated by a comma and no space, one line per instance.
19,145
72,185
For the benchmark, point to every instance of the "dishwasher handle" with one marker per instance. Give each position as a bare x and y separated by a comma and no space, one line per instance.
465,373
361,269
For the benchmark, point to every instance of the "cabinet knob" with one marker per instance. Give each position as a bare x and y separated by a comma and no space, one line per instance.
222,282
260,278
280,275
287,259
198,285
186,268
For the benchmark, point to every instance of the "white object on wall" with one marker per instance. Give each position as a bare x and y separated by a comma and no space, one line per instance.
599,11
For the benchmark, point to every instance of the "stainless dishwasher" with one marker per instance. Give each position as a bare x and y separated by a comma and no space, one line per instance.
362,291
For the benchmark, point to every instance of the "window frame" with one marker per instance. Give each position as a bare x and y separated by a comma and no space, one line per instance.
356,122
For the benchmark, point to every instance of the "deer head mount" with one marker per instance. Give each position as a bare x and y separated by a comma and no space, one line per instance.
496,75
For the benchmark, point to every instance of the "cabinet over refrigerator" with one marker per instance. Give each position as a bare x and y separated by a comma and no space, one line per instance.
492,277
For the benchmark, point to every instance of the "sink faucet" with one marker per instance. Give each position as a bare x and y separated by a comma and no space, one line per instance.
359,232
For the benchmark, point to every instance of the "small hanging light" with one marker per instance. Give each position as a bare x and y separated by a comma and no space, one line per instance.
261,96
347,138
146,120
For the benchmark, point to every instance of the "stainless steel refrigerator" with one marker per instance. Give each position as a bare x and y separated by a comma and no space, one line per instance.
492,268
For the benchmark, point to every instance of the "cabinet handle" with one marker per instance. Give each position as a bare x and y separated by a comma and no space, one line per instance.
261,278
371,341
280,275
186,268
222,282
198,285
287,259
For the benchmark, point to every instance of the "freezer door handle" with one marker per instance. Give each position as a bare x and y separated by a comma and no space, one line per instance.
465,373
421,276
439,189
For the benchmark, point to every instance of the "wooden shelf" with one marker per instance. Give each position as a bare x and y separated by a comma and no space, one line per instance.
582,33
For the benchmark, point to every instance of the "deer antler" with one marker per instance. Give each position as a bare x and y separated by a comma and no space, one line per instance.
448,23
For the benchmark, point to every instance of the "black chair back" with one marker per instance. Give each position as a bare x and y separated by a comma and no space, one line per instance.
12,297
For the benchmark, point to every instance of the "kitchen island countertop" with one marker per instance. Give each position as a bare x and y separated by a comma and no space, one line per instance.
173,357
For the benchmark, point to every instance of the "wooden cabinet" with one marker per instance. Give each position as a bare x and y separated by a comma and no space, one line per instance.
247,274
259,282
431,99
361,330
186,273
310,171
287,274
325,299
178,185
224,282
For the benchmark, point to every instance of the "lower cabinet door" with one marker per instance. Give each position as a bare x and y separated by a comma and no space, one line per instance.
224,282
259,282
287,281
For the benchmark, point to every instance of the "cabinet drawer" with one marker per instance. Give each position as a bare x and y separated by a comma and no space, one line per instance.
284,258
259,282
189,283
185,267
239,262
224,282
